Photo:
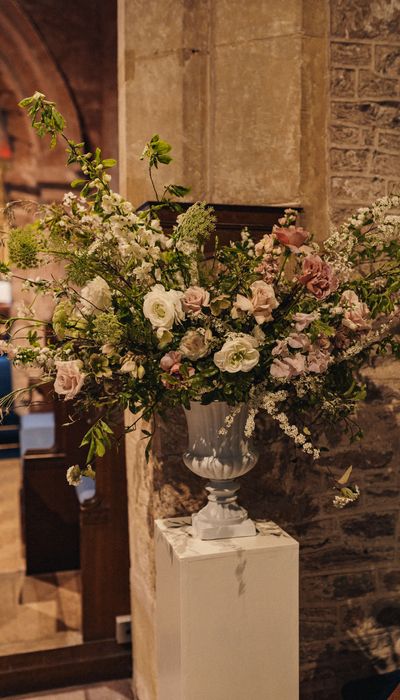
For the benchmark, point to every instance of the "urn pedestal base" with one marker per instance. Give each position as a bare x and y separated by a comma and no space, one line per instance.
207,531
222,517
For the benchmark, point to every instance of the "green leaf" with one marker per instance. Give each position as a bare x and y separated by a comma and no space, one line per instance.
109,162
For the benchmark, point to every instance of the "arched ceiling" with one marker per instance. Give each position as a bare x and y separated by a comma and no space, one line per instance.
26,65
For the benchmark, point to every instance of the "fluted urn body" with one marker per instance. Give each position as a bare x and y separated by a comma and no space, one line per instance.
221,453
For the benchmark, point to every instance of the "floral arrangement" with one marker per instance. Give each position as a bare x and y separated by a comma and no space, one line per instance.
143,321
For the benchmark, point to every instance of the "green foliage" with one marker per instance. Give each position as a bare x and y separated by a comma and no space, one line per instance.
45,118
23,246
157,151
197,223
97,439
107,329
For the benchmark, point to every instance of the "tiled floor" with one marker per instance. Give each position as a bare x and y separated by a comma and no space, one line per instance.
36,612
111,690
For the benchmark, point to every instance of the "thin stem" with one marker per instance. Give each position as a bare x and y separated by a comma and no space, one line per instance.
153,185
286,258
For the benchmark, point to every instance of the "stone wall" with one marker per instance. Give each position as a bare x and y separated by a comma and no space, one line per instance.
350,615
365,102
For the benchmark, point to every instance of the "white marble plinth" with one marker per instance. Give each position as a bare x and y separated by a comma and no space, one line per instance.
226,615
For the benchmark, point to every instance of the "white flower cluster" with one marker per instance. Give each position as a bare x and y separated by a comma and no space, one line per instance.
346,496
269,402
375,223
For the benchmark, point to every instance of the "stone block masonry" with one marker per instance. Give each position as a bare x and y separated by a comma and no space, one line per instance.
365,103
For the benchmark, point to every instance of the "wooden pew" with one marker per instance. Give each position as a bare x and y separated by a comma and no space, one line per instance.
50,509
105,547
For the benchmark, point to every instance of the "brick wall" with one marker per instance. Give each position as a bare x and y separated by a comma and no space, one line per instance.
365,102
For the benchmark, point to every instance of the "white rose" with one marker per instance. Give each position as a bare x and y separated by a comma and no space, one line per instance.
96,296
194,345
163,308
238,354
69,379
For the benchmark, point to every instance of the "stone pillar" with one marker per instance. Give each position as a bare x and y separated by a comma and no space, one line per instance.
239,89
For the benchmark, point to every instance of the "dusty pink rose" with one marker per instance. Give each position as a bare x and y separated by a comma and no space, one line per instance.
288,367
317,361
194,298
356,314
69,379
171,362
318,277
302,320
293,237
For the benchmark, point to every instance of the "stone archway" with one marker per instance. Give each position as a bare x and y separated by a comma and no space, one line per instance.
26,65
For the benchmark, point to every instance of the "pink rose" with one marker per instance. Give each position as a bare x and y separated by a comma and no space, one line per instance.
171,362
292,237
288,366
302,321
69,379
263,301
356,312
194,298
318,277
317,361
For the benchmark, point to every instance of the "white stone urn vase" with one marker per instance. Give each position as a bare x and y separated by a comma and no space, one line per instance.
221,459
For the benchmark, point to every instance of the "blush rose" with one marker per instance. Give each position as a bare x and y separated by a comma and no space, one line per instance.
69,379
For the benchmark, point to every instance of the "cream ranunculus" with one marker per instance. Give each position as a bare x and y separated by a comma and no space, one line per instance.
194,345
96,296
162,307
69,379
238,354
